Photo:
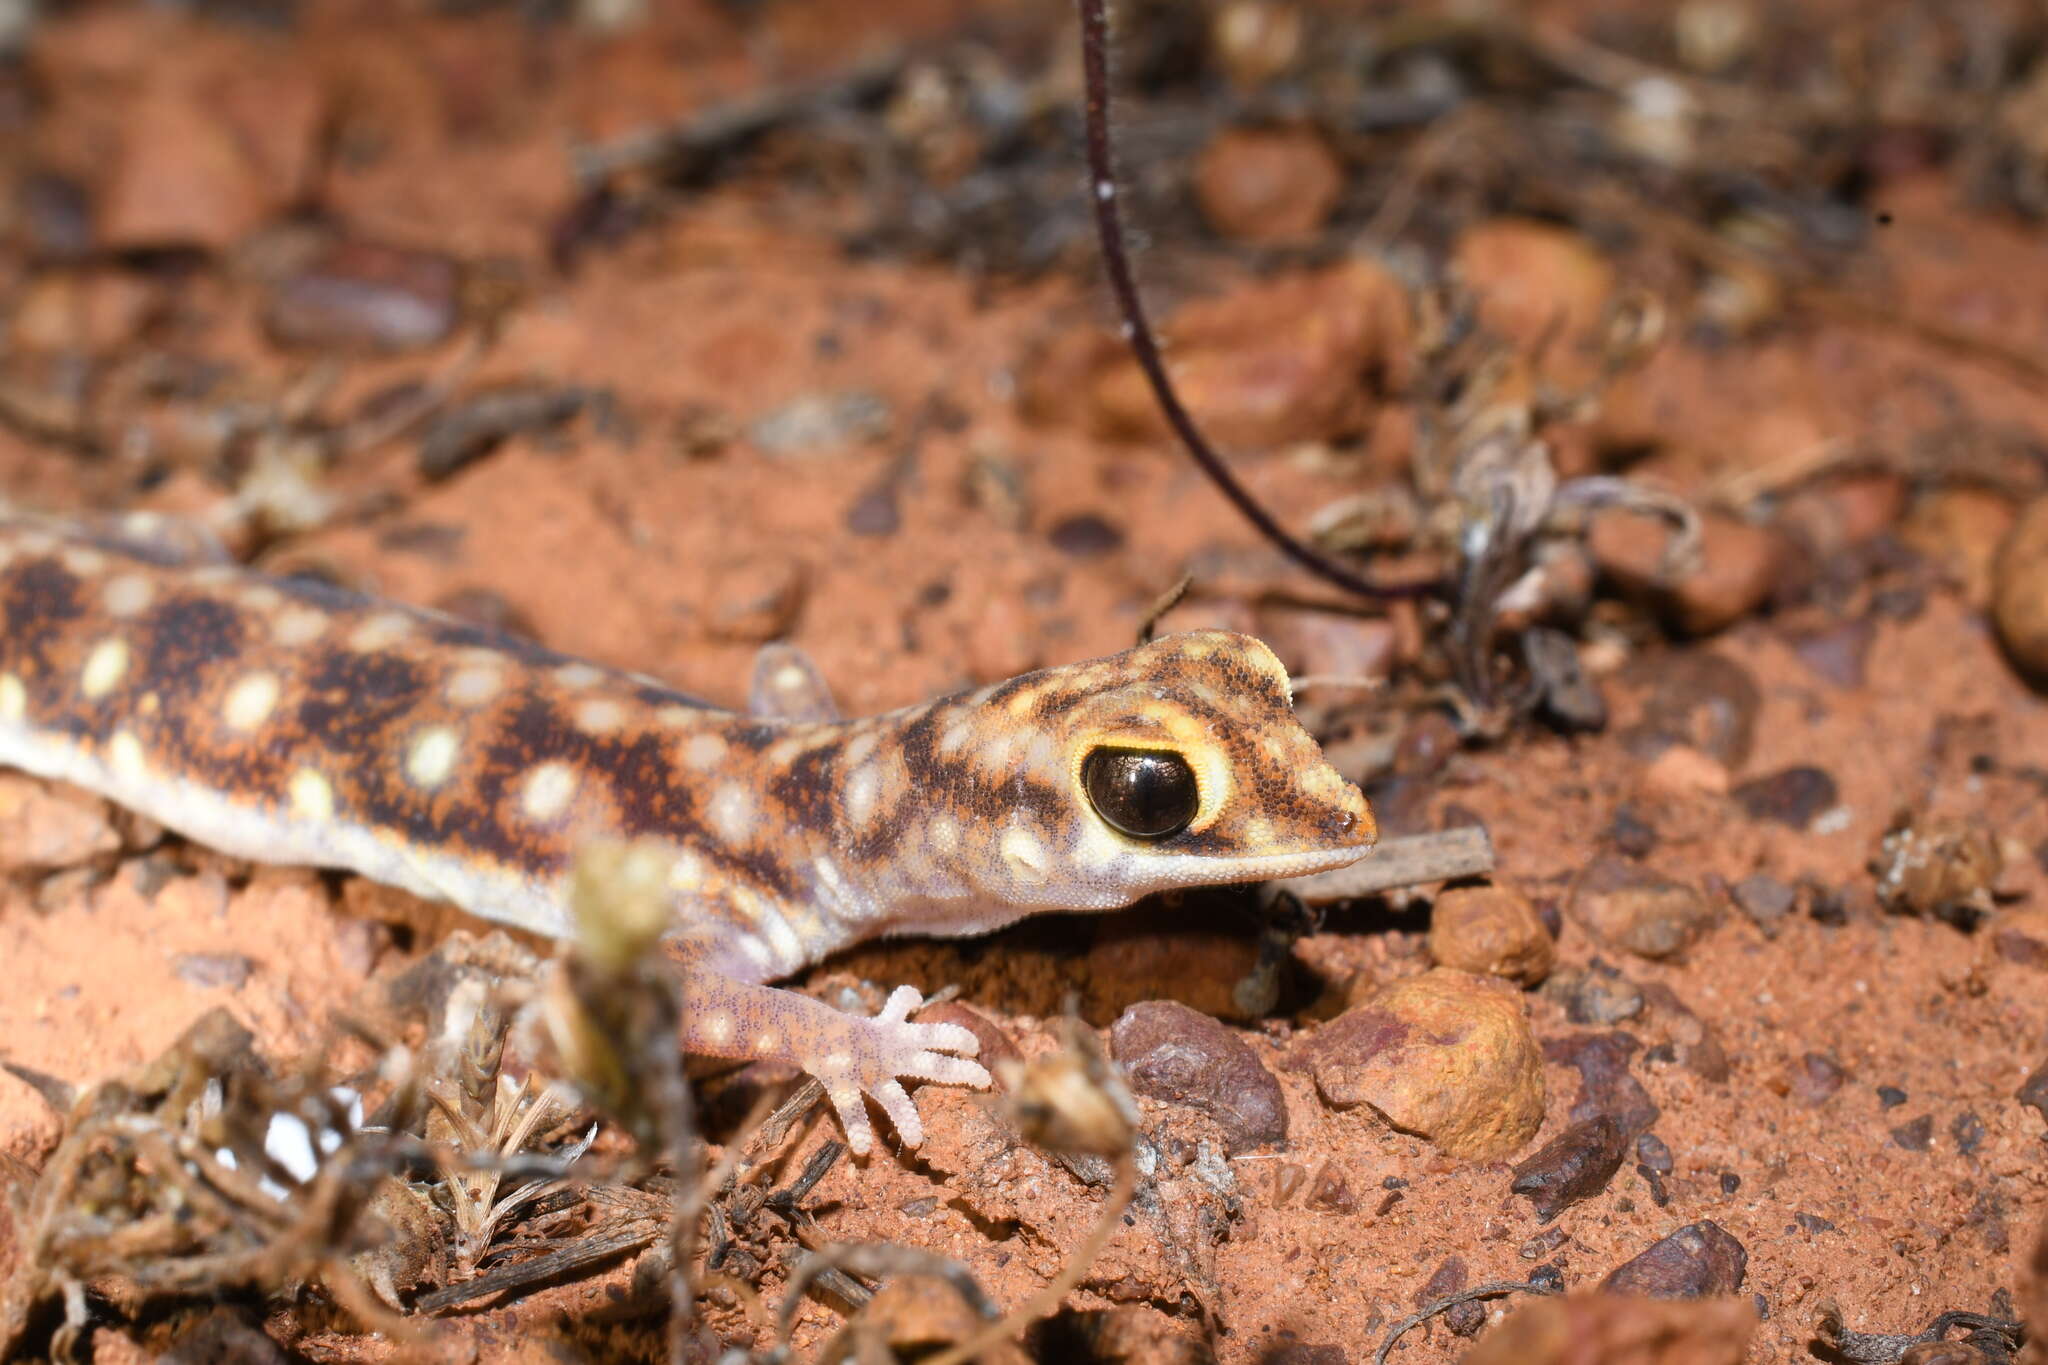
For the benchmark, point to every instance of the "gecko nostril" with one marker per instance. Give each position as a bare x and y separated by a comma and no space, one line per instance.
1346,821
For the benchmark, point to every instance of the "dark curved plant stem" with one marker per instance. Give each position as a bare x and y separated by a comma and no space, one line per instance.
1144,343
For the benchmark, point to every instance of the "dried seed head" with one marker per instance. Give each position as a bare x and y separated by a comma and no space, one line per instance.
1072,1100
619,894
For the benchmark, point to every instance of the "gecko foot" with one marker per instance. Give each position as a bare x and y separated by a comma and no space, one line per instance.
877,1055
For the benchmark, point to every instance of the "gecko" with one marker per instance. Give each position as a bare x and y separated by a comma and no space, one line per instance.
286,720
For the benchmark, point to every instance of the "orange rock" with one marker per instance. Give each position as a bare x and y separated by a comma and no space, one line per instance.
1264,366
1739,566
1491,930
2019,592
44,825
1838,513
182,179
1446,1055
1538,286
1633,908
1960,529
1614,1329
1267,186
1682,770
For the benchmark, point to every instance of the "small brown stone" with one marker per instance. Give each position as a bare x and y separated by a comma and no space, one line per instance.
1572,1167
1960,530
44,825
1174,1054
1267,186
1261,367
2033,1091
759,598
1445,1055
1738,568
1325,644
1702,699
2019,594
1633,908
182,178
1492,930
1606,1085
1615,1330
1538,285
2022,936
1792,797
1816,1077
1840,513
1698,1261
996,1044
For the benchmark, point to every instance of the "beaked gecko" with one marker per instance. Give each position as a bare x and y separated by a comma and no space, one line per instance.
284,720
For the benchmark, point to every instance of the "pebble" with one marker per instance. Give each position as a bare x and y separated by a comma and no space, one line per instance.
1739,567
1653,1153
1635,909
1694,1042
2033,1094
1576,1328
1492,930
1890,1097
1327,644
1445,1055
1606,1085
50,826
1915,1135
2021,936
1968,1131
1539,287
1449,1278
1702,699
1569,700
1766,900
213,971
181,178
1700,1260
1172,1053
1085,536
1960,530
2019,592
996,1044
757,599
1944,868
1838,653
361,296
1267,186
1792,796
1682,771
1631,834
1816,1077
1832,515
1598,995
1572,1167
1262,367
813,425
477,425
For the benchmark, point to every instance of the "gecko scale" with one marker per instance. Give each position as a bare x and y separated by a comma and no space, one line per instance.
288,721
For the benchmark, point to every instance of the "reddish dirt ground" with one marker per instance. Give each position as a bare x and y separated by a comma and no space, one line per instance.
661,530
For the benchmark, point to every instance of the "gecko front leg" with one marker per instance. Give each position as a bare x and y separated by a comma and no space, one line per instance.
852,1056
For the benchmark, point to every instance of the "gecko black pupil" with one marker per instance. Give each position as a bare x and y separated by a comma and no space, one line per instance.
1146,793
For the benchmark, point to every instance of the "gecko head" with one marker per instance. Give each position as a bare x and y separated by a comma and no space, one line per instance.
1176,764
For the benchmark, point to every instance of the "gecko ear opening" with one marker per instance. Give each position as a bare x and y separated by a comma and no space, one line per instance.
1145,793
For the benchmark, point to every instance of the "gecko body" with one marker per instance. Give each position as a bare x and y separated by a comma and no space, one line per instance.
284,720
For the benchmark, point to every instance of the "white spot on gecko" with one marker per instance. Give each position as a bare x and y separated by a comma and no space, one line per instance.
381,631
431,759
13,699
719,1028
578,675
298,625
103,668
861,794
128,595
250,701
703,752
82,561
312,796
732,813
475,685
1024,854
549,789
124,755
600,716
261,597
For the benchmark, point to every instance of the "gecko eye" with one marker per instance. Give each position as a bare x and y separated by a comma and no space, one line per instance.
1145,793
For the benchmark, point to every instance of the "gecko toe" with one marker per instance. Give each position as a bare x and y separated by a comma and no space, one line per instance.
853,1117
896,1104
902,1003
